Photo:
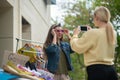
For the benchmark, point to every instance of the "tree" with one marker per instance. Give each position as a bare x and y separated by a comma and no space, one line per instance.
76,14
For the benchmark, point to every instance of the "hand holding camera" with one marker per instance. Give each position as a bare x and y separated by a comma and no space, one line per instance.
82,28
85,28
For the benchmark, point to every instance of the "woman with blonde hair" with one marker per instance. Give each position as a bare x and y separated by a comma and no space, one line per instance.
98,46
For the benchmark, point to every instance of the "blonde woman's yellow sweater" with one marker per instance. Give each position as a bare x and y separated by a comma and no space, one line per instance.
94,45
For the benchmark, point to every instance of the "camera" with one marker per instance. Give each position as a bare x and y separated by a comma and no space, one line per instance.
83,28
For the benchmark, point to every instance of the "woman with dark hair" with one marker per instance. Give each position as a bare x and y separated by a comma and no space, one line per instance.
58,52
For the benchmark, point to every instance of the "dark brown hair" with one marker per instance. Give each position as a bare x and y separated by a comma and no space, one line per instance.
50,36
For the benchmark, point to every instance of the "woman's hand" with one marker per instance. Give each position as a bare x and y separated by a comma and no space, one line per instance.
53,32
66,32
76,31
88,27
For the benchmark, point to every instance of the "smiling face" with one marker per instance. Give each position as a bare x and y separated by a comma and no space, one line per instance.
59,31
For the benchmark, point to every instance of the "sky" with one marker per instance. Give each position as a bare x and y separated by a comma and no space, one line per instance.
57,12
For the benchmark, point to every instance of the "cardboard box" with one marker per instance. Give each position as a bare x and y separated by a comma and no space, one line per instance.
15,58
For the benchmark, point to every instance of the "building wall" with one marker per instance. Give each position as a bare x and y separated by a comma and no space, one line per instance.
35,12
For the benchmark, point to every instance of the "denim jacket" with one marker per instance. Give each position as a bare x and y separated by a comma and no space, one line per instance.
53,54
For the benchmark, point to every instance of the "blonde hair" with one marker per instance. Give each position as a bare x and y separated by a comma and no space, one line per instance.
103,14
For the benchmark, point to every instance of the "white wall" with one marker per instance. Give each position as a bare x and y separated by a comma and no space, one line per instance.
36,12
37,16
